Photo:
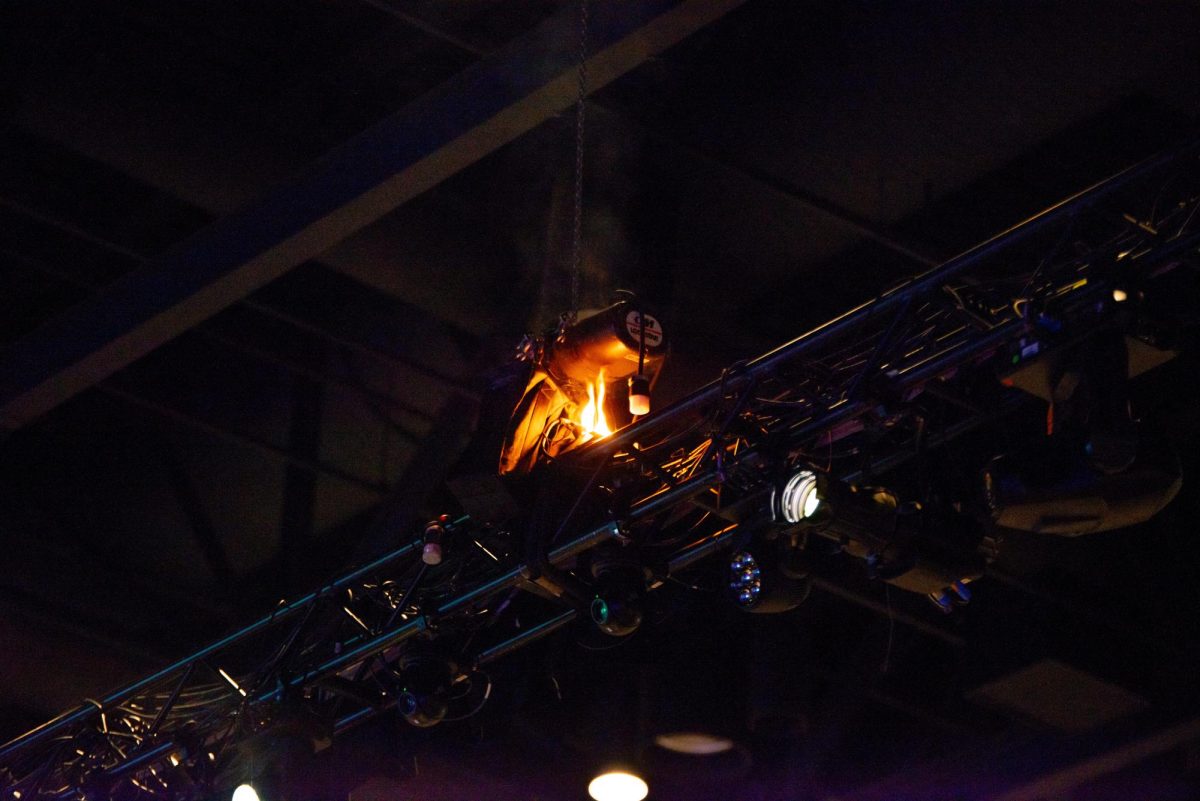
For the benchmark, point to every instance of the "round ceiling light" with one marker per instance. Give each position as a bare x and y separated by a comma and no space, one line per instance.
618,786
694,743
245,792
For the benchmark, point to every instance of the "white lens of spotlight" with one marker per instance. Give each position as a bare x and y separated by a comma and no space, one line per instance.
1120,295
618,786
799,500
245,792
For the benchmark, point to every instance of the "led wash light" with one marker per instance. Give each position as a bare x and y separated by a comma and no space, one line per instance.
745,579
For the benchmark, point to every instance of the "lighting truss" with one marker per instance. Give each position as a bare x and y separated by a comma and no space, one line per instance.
1040,285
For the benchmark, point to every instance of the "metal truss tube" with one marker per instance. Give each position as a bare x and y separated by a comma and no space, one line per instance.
922,283
81,713
701,550
558,556
526,637
367,648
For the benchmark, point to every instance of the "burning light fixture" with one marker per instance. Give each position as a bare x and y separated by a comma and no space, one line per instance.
593,422
573,371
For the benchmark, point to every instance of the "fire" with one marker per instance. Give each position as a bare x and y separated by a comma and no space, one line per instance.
592,420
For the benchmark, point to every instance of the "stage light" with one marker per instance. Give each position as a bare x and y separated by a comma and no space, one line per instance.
1120,295
768,575
424,676
1054,486
618,786
571,370
619,583
799,499
245,792
745,579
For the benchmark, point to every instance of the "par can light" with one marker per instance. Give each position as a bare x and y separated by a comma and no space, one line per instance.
798,500
745,579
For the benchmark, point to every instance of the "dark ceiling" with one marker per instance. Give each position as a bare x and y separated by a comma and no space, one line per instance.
776,166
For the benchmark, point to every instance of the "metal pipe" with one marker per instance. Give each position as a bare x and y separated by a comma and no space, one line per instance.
179,685
922,283
686,558
368,647
81,713
527,636
512,577
888,611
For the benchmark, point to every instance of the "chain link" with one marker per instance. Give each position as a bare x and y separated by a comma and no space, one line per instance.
577,229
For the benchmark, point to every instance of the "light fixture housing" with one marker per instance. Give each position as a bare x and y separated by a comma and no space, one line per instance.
424,676
768,575
619,583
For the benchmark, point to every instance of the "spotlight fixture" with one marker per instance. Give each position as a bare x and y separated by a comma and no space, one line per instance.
618,785
424,677
799,498
1055,487
924,550
620,583
570,368
1097,469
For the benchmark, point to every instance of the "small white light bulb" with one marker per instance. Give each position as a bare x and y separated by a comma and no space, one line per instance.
639,395
431,554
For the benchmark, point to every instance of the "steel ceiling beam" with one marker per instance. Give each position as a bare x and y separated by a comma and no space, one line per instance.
489,104
1061,783
895,242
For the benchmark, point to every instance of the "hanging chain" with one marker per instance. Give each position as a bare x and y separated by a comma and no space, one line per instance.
577,230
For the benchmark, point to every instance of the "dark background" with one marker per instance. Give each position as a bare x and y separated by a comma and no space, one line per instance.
733,181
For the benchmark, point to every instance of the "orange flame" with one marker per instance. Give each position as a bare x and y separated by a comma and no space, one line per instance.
592,419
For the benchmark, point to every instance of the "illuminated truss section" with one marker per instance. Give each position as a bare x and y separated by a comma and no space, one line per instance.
751,474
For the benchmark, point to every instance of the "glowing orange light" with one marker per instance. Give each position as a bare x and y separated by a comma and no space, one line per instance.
592,419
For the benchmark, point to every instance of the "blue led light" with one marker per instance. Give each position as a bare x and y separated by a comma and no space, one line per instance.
745,579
